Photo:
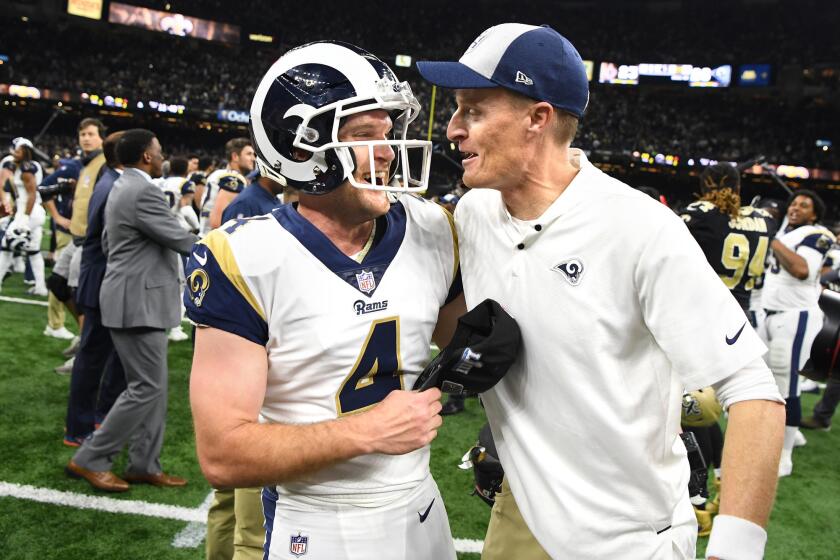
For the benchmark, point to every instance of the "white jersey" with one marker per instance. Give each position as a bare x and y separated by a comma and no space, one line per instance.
832,258
620,313
339,335
20,196
220,179
783,291
172,188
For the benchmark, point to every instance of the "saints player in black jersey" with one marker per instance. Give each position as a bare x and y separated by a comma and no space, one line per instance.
734,238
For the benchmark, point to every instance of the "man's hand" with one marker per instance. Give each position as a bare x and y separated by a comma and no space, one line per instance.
62,221
403,421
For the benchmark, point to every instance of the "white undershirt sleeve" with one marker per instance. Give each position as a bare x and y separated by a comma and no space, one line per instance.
752,382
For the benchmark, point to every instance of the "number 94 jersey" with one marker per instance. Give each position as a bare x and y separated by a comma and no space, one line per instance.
339,335
736,248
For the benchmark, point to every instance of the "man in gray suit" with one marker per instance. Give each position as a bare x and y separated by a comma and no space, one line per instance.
141,281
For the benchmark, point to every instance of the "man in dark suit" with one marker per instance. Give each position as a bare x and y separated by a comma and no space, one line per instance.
141,281
90,400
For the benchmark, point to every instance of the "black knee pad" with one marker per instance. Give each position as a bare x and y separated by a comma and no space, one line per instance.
57,284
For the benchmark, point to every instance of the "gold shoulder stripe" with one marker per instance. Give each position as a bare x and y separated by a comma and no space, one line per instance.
455,249
218,244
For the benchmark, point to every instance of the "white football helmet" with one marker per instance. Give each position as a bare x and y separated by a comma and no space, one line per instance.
300,104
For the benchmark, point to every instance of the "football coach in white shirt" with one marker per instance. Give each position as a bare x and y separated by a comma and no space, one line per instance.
614,327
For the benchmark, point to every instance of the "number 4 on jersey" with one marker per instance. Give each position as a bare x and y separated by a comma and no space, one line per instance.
377,371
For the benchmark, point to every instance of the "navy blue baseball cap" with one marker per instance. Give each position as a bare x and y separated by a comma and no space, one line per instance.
535,61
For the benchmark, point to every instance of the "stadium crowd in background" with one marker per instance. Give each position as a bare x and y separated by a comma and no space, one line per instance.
117,355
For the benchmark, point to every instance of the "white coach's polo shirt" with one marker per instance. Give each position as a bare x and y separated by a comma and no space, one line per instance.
619,312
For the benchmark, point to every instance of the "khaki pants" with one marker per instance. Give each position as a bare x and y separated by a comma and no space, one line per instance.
235,527
55,309
507,534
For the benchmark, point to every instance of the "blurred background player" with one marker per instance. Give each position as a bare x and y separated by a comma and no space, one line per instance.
176,189
228,182
25,230
790,299
262,196
735,240
776,209
57,197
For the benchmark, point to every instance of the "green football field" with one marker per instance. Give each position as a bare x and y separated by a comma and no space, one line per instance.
45,515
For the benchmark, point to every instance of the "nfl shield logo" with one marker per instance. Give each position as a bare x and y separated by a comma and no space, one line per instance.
366,281
297,544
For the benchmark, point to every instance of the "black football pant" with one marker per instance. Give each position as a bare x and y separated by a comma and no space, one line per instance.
97,379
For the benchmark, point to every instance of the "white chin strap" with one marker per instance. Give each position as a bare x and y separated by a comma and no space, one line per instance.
408,180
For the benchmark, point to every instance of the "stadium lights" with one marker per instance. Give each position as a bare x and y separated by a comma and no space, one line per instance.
260,38
403,61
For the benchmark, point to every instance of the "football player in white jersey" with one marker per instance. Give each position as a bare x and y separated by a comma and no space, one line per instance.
173,187
224,184
25,230
614,328
790,300
316,319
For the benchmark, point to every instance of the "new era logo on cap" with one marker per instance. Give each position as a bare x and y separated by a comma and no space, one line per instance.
523,79
535,61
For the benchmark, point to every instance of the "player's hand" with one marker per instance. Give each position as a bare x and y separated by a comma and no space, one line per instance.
63,222
403,421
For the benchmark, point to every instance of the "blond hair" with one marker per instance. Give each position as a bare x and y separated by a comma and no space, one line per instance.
727,201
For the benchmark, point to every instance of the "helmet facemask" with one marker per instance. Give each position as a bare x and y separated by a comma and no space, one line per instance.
398,100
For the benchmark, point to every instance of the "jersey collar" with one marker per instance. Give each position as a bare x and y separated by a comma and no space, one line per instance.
375,263
567,200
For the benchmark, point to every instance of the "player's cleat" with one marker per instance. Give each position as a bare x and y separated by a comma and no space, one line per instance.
66,368
36,291
704,522
178,335
799,439
60,333
70,351
713,505
811,423
785,464
28,283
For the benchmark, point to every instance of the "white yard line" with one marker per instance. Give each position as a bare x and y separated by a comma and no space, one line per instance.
190,537
24,300
467,545
100,503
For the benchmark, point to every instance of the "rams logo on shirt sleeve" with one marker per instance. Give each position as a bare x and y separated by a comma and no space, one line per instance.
198,283
230,305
